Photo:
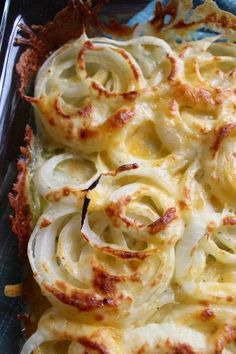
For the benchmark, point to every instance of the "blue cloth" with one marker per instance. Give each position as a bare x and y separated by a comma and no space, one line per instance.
146,14
10,265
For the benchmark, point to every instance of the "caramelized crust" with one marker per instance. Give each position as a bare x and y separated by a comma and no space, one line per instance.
18,198
221,134
80,300
161,223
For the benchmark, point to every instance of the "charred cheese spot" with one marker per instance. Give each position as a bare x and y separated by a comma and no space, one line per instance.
45,223
94,346
104,282
207,314
221,134
80,300
161,223
121,118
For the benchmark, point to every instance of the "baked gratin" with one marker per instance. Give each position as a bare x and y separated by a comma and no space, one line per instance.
126,195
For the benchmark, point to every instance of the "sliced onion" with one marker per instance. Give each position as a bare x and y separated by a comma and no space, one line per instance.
33,342
160,334
149,63
144,40
47,182
219,164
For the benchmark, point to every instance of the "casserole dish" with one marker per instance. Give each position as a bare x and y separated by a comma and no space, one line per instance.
13,110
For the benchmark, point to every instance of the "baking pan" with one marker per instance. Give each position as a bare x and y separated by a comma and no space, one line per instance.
14,115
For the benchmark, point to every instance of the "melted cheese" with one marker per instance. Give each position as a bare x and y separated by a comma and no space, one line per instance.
135,248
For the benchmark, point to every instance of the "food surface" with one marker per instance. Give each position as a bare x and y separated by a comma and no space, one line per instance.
131,185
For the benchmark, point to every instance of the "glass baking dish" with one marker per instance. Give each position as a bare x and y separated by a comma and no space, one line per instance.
14,115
